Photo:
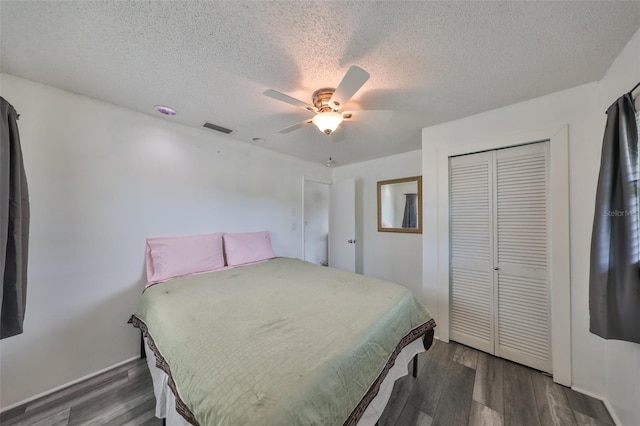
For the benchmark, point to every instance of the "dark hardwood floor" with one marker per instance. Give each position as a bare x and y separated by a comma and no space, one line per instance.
456,385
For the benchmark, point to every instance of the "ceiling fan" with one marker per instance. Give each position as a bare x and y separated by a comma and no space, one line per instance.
328,103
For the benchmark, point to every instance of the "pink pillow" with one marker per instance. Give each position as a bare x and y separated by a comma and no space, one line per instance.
248,247
172,257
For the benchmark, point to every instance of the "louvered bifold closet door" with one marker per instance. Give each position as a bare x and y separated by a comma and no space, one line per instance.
522,328
471,246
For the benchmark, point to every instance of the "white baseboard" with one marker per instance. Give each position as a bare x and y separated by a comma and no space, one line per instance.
437,337
607,404
81,379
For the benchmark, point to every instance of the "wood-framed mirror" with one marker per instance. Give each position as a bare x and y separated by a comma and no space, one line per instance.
400,205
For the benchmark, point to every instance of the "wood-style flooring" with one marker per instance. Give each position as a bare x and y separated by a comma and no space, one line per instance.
456,385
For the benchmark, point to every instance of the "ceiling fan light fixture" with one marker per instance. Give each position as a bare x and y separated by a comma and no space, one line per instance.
327,121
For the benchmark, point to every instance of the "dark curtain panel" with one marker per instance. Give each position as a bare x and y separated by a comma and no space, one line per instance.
410,218
14,224
614,285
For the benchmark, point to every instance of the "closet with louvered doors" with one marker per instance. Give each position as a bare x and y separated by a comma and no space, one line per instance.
499,253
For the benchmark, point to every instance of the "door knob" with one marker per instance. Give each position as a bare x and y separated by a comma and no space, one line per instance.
351,241
496,269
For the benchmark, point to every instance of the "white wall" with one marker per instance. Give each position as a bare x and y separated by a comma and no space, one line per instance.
316,222
610,370
622,359
101,179
391,256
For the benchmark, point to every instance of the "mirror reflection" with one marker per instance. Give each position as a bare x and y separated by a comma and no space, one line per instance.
400,205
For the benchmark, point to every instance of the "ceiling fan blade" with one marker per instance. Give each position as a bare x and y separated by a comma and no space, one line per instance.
294,127
288,99
373,116
350,84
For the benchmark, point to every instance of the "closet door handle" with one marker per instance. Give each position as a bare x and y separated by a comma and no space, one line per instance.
496,269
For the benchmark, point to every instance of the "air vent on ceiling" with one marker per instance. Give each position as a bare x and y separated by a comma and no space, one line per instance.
217,128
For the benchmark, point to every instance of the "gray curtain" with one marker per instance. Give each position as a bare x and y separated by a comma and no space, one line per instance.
14,224
410,218
614,285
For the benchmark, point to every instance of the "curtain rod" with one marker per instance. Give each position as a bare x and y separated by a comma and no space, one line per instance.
634,88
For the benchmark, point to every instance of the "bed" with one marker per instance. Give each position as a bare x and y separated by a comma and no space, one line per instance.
278,342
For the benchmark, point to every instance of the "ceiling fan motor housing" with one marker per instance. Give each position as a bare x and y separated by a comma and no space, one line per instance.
321,98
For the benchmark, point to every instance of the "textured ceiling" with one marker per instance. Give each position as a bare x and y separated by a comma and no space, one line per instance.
430,62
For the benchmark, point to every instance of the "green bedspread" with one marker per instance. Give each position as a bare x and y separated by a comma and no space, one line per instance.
283,342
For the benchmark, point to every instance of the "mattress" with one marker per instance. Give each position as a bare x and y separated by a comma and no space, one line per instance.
280,342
